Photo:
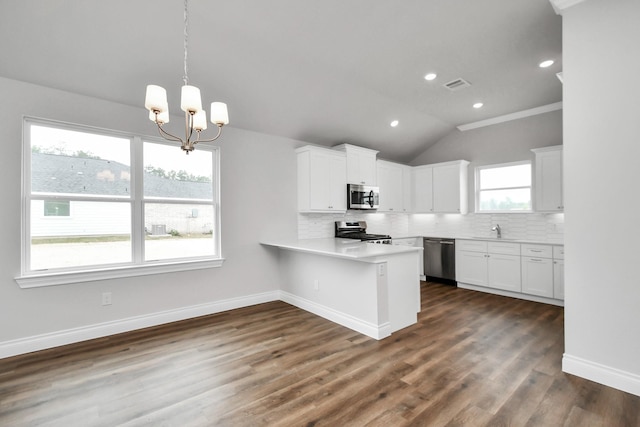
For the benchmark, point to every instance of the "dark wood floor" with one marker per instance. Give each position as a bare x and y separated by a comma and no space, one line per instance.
473,359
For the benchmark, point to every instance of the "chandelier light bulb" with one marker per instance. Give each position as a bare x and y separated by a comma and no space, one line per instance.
162,117
200,120
190,102
219,113
156,99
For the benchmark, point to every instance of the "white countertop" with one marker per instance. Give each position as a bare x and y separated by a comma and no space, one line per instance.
341,248
508,240
488,239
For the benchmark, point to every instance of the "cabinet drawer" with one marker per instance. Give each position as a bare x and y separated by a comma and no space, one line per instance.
471,245
538,251
558,252
504,248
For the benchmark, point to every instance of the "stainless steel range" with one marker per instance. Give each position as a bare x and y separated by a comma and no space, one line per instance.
358,230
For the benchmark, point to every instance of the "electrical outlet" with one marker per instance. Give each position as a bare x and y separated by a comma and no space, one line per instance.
316,285
106,298
382,270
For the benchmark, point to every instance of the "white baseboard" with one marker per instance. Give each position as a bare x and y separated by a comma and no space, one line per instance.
601,374
70,336
369,329
512,294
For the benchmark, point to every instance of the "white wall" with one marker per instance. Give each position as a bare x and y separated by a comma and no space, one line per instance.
501,143
258,200
601,154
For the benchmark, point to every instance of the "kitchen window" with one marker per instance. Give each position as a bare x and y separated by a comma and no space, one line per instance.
101,204
504,187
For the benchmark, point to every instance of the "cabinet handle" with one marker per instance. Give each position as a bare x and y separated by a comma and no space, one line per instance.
535,259
535,250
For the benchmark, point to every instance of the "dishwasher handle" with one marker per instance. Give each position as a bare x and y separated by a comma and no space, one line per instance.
439,241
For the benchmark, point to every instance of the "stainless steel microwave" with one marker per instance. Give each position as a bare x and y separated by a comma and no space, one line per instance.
362,197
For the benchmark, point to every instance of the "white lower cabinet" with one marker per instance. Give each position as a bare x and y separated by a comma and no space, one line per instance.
519,268
504,272
537,270
472,267
491,264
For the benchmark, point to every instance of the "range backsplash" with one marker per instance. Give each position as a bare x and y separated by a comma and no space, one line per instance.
538,227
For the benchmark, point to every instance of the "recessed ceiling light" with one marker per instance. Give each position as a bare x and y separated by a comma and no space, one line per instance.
430,76
478,105
545,64
394,123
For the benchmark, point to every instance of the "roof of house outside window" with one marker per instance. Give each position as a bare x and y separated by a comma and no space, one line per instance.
63,174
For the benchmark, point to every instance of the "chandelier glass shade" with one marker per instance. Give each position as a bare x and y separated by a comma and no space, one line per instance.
191,103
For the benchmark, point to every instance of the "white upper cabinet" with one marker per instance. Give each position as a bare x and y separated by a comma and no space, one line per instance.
440,188
548,179
393,181
322,180
361,164
422,189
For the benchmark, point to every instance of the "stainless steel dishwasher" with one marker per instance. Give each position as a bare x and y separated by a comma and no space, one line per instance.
440,258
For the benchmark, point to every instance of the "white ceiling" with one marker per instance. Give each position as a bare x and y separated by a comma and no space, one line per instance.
324,72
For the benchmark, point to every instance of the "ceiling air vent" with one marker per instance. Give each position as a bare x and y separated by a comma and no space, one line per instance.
457,84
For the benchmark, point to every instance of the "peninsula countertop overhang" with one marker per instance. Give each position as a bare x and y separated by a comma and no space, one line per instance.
341,248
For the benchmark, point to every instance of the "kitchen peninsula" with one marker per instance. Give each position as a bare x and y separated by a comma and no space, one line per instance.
371,288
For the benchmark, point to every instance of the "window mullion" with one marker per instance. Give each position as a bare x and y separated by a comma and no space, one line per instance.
137,220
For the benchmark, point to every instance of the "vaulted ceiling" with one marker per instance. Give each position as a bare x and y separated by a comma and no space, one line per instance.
324,72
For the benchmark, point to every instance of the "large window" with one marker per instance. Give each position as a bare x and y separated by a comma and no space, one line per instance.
504,188
100,201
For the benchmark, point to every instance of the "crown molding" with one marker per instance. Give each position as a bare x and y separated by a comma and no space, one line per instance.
560,5
513,116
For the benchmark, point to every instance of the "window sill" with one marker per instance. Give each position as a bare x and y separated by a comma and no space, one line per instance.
54,279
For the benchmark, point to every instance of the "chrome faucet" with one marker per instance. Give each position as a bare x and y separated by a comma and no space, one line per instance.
498,230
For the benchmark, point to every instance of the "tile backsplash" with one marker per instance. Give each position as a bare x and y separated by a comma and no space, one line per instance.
540,227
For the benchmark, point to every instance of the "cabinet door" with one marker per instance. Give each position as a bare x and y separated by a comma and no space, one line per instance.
407,197
327,182
337,180
390,184
471,267
423,190
504,272
537,276
548,188
320,196
558,279
446,188
361,168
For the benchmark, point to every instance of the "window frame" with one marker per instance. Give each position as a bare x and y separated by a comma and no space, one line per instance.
478,190
138,266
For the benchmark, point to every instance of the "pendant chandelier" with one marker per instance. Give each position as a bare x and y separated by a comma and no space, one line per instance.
194,116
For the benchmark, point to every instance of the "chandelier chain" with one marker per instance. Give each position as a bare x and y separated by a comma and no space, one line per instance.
185,78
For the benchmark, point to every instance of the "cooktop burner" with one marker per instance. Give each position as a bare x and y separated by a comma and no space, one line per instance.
357,230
